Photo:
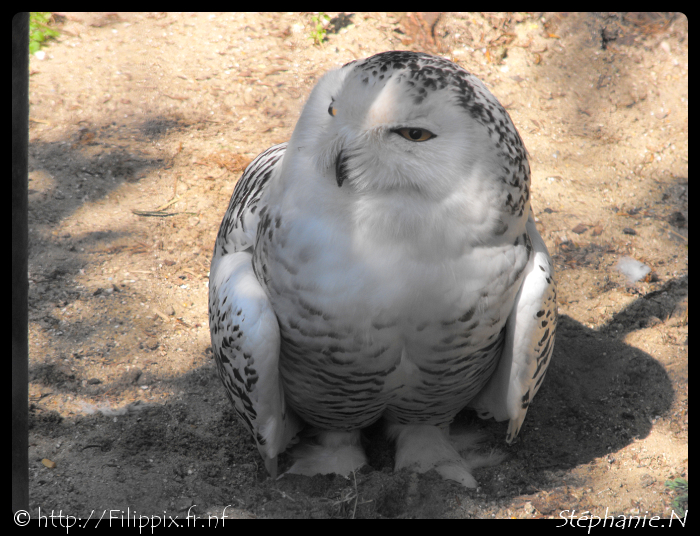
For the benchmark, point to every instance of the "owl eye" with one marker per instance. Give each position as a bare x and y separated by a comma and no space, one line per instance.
332,110
415,134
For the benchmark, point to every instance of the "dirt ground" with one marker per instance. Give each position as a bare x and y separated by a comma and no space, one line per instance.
140,125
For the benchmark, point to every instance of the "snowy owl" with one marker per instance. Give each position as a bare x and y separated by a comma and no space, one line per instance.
383,264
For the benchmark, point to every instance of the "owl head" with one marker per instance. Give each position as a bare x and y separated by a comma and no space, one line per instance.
408,121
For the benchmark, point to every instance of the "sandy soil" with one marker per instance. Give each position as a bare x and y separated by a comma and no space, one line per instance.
142,123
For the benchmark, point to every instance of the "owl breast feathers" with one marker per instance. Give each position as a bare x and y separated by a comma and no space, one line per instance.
384,264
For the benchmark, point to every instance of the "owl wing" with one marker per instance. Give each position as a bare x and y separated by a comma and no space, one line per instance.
240,224
528,345
245,335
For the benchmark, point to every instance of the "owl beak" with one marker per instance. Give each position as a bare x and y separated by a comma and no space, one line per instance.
341,169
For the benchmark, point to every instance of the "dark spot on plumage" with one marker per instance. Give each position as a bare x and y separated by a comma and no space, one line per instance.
539,380
308,307
525,400
365,80
251,375
498,341
237,375
466,317
542,365
341,170
476,110
290,342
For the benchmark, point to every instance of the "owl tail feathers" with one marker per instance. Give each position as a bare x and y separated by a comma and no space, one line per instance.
332,452
275,436
424,447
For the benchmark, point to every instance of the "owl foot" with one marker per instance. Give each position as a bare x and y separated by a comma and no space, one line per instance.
332,452
425,447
